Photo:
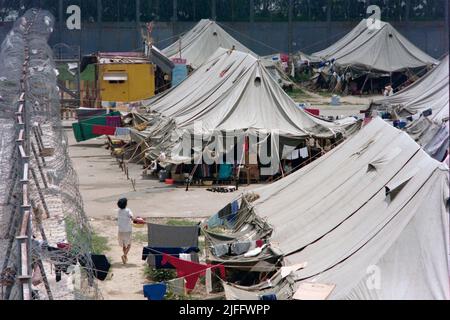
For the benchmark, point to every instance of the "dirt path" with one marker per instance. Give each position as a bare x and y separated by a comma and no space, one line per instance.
127,280
102,183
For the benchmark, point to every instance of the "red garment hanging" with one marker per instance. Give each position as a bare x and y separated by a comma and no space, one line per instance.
190,271
103,130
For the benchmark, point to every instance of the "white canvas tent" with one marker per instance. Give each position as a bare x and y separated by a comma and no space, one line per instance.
429,92
232,91
375,206
199,44
377,50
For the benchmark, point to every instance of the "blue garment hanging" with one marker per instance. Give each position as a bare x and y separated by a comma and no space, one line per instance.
268,297
234,210
225,171
155,291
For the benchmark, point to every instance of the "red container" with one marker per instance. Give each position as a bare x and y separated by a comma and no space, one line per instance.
315,112
170,181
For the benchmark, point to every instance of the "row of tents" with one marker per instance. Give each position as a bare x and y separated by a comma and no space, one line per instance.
369,52
367,220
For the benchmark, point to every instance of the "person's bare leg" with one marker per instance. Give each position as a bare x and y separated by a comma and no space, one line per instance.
124,256
127,249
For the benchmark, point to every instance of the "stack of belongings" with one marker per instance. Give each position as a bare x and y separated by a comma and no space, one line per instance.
367,53
231,96
368,220
93,126
423,109
176,247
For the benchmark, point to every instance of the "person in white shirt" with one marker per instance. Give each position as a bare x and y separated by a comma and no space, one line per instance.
124,220
388,91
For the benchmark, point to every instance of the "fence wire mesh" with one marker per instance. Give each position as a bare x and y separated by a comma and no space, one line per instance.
57,205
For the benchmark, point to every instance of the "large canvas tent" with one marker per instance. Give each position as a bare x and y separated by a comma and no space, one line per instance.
201,42
429,92
232,93
376,203
379,50
367,59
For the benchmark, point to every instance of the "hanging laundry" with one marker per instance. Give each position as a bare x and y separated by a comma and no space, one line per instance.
303,152
215,221
225,171
101,266
189,270
234,210
225,212
103,130
185,256
219,250
294,155
177,286
113,121
254,252
155,291
208,281
172,236
268,297
239,248
122,132
154,257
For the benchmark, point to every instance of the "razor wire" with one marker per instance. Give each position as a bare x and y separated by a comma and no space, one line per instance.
54,187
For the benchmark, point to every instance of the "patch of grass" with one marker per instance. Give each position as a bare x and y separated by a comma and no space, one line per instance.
159,275
99,244
298,94
181,222
81,237
141,237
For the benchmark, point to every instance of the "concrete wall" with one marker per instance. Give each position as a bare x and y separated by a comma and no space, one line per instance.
261,37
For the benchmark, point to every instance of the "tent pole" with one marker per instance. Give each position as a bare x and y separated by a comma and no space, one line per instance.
364,84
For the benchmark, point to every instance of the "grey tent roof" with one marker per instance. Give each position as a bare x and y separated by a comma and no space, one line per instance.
430,91
200,43
232,91
376,202
381,50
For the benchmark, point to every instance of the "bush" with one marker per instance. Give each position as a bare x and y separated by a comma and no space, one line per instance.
159,275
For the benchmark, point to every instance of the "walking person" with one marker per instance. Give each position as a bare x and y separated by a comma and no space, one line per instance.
124,220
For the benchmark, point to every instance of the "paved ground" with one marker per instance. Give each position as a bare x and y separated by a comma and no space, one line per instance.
102,183
350,105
